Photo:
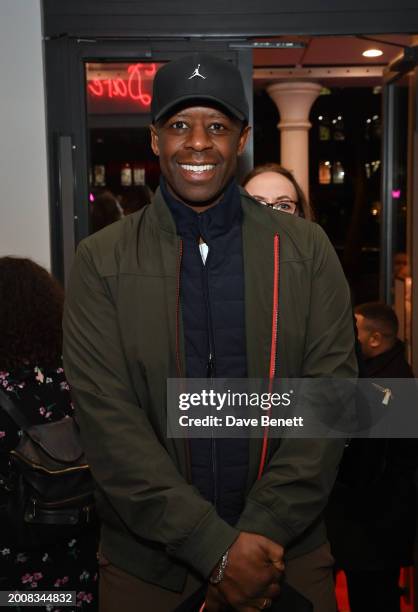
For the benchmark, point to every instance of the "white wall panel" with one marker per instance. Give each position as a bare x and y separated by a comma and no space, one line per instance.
24,211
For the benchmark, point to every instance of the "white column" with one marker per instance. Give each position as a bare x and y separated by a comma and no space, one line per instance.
294,100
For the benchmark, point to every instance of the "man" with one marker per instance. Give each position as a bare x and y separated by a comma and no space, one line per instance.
384,354
189,287
371,515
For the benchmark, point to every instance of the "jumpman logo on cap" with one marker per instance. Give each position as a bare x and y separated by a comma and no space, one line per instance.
196,73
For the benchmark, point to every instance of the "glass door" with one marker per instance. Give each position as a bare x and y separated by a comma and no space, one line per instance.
399,233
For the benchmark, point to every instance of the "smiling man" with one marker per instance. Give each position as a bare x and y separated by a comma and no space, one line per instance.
198,149
203,283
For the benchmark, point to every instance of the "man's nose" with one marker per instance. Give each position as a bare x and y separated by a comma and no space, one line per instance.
198,138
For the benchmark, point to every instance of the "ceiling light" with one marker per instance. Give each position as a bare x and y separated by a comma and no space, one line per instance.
372,53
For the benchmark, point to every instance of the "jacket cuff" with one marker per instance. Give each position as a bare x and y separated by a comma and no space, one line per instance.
259,519
208,542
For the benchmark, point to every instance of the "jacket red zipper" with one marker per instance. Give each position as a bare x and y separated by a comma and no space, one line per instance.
273,349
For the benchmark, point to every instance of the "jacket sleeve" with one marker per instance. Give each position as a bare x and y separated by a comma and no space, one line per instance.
294,488
131,467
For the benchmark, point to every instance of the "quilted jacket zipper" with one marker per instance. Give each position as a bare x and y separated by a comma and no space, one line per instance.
211,364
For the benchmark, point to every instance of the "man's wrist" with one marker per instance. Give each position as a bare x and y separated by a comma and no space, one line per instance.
219,571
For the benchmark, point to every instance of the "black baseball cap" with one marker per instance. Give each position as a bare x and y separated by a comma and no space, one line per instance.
199,77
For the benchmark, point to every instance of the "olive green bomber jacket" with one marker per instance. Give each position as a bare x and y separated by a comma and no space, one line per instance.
123,339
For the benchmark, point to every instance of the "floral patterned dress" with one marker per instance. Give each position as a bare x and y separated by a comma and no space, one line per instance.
70,565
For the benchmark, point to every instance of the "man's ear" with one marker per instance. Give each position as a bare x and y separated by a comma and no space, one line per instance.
375,339
154,139
243,139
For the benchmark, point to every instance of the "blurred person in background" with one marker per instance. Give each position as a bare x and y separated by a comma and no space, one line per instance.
401,267
135,198
104,210
275,186
31,374
372,510
383,352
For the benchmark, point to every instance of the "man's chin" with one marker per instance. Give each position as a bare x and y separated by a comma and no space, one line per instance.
197,200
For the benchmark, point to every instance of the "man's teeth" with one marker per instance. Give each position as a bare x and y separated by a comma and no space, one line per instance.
194,168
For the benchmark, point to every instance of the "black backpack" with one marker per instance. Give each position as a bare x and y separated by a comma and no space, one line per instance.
48,490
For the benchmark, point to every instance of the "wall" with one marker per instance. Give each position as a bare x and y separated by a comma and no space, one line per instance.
24,211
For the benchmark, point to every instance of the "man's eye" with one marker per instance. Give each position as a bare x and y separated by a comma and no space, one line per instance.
217,127
179,125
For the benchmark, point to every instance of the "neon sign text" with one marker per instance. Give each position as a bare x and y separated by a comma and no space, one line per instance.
132,88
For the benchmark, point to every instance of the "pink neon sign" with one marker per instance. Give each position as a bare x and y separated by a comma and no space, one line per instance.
127,93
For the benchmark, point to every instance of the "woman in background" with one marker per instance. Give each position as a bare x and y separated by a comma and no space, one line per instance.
31,374
274,186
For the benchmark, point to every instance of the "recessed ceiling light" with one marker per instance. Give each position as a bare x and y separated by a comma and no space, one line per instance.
372,53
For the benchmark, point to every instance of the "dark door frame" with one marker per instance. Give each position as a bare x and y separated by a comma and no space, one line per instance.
217,19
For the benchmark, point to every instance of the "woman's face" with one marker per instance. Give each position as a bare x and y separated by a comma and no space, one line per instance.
275,190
